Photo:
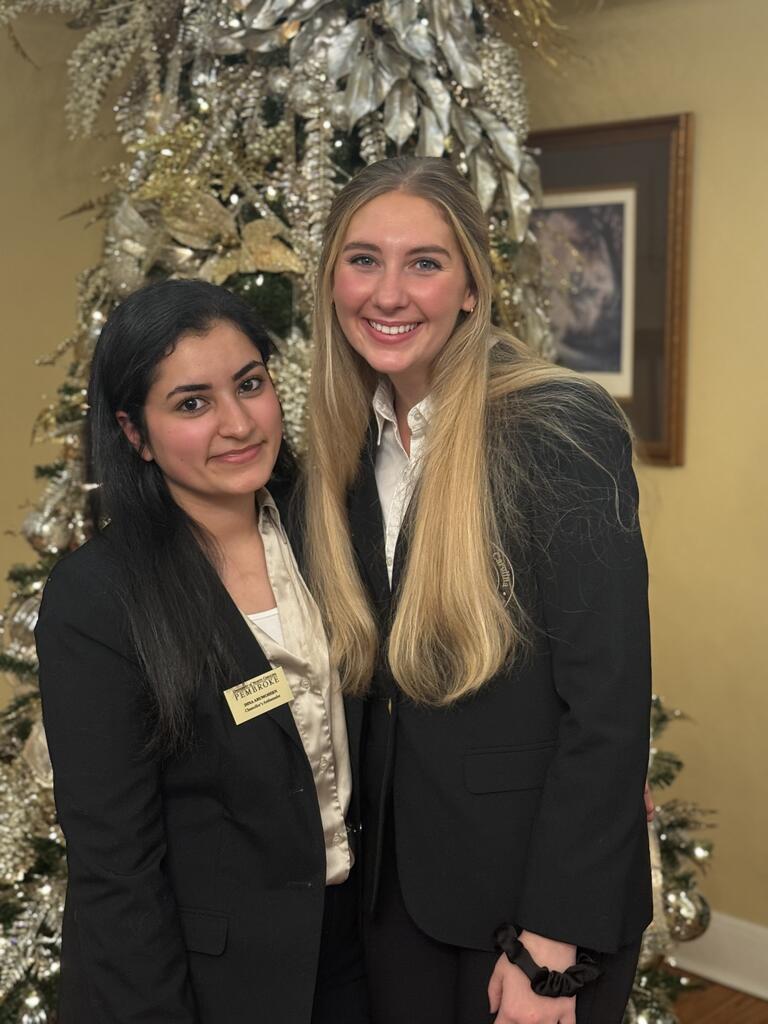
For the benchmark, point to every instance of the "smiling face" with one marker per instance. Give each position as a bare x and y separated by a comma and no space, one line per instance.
399,284
212,419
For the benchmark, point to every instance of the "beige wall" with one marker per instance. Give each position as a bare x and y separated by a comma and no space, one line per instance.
706,523
42,176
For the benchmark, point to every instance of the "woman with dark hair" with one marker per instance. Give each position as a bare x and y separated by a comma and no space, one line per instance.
473,545
194,718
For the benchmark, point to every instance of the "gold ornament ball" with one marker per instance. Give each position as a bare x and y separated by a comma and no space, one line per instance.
688,914
656,1016
49,532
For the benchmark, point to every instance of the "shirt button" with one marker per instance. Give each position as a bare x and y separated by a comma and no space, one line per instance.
323,765
339,838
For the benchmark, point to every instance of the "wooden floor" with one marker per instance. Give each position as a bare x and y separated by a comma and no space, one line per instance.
718,1005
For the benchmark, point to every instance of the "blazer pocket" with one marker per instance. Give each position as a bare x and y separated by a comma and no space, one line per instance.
505,769
204,931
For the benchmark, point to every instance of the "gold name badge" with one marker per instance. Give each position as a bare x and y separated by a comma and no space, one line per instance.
256,696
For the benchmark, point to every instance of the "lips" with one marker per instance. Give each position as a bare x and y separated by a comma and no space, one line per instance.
237,456
390,333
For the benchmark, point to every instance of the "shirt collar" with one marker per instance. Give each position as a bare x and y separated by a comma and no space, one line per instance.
267,507
384,409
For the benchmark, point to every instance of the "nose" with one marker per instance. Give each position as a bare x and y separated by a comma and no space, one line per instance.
390,293
234,421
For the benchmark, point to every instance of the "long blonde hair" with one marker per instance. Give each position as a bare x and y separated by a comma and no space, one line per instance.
452,629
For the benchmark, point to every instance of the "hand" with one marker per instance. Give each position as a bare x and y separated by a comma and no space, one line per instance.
510,994
650,808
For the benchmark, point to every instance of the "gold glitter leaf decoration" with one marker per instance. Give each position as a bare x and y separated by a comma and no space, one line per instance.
219,267
201,222
172,154
261,249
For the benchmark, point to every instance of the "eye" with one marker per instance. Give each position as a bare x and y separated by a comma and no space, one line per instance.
251,386
194,404
427,263
362,261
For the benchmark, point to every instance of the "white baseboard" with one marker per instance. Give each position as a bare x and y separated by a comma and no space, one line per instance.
732,952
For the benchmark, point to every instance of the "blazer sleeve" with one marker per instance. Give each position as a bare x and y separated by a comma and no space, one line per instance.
108,798
589,842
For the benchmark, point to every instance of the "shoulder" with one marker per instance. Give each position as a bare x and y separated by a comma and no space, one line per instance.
568,424
84,586
561,456
90,568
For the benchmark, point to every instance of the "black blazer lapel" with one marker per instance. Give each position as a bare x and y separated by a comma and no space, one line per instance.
354,714
251,660
367,526
401,550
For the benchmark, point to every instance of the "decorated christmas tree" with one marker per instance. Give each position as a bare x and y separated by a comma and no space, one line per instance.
239,122
680,911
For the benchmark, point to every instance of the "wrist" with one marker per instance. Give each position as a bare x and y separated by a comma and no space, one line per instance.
545,980
550,953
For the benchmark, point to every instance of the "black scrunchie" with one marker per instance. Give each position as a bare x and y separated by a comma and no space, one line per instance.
543,981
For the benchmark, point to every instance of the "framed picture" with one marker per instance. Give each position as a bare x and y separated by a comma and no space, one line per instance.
613,235
587,245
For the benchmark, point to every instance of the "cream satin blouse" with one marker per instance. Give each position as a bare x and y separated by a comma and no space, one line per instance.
317,705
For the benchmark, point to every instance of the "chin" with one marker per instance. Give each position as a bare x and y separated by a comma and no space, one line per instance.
388,362
247,485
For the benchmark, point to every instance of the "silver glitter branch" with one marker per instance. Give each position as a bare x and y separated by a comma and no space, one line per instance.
123,32
75,9
373,140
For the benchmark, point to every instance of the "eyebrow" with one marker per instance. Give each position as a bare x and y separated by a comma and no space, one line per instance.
370,247
247,368
184,389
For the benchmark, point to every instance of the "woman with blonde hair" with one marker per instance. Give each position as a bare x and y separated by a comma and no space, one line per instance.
472,542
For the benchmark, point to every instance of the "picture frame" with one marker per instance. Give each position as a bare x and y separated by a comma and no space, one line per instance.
613,231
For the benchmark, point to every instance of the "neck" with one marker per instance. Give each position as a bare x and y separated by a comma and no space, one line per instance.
229,520
407,394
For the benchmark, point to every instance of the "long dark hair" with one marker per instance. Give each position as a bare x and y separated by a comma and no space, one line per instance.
167,560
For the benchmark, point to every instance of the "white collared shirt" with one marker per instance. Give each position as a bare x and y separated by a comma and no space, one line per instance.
300,648
397,473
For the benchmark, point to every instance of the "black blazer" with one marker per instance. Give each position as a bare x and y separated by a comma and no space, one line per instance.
196,886
524,803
